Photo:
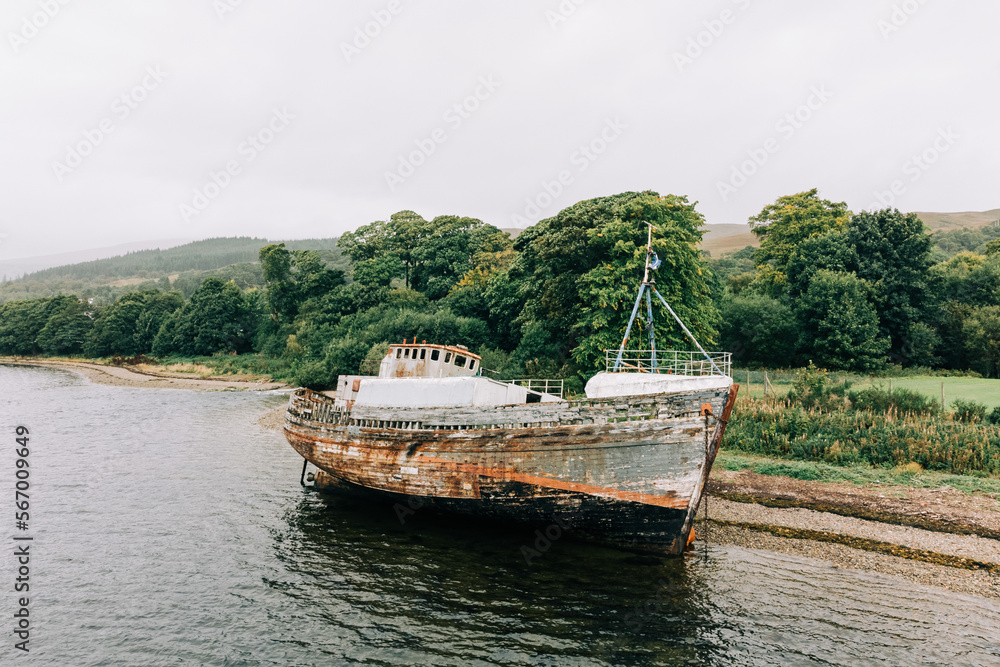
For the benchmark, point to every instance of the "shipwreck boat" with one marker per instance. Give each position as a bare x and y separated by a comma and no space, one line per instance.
624,466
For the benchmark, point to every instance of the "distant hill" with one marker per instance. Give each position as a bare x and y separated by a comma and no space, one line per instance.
181,267
942,221
953,233
722,239
15,268
199,255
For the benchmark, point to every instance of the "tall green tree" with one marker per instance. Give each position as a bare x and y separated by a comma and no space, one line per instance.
839,325
784,225
576,276
431,256
22,322
129,325
448,254
67,327
981,333
293,277
397,236
217,319
968,278
891,251
758,329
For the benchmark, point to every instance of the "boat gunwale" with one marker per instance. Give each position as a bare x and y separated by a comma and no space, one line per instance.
500,426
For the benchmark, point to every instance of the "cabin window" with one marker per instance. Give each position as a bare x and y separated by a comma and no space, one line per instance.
406,355
435,355
447,357
472,366
460,361
399,352
423,354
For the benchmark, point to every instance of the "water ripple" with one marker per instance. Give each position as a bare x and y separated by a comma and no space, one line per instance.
171,529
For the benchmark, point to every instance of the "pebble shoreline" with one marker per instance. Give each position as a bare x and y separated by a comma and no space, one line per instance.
962,546
970,582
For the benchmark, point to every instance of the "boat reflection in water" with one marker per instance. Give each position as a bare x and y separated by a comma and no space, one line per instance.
453,590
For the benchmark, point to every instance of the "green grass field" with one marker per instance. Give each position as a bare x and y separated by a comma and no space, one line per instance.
983,390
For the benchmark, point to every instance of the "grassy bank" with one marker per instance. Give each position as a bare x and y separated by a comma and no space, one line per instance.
276,369
905,476
983,390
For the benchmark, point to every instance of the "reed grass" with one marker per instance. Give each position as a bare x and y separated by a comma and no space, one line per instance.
777,427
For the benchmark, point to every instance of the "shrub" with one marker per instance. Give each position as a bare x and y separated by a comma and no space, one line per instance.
812,388
315,375
119,360
968,411
772,428
902,400
994,416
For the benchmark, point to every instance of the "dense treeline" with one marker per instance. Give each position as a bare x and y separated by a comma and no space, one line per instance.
546,304
949,243
855,291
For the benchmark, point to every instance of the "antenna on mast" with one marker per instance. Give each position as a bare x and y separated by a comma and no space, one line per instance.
653,262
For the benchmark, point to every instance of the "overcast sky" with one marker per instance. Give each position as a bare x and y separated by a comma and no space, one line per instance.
134,120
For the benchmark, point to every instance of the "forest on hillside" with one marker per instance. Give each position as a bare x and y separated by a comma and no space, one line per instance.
853,291
181,268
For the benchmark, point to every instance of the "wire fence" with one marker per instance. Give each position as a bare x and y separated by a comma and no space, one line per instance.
776,382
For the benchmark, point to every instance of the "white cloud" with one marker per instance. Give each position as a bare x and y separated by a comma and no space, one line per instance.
353,119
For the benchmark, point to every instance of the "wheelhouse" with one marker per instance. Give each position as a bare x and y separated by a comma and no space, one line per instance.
420,360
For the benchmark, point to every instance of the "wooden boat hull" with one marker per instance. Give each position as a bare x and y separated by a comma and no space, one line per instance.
627,471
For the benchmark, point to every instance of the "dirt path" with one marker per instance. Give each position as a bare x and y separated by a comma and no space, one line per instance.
130,377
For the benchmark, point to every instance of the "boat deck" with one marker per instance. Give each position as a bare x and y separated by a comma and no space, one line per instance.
310,406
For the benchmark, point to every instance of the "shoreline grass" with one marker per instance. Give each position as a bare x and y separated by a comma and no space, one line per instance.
859,475
834,432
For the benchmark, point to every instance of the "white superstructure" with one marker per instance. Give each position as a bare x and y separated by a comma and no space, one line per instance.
421,375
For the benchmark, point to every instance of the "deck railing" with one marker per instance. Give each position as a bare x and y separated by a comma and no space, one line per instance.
675,362
553,387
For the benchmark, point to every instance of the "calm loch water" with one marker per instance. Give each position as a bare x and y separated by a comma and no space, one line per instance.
170,529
